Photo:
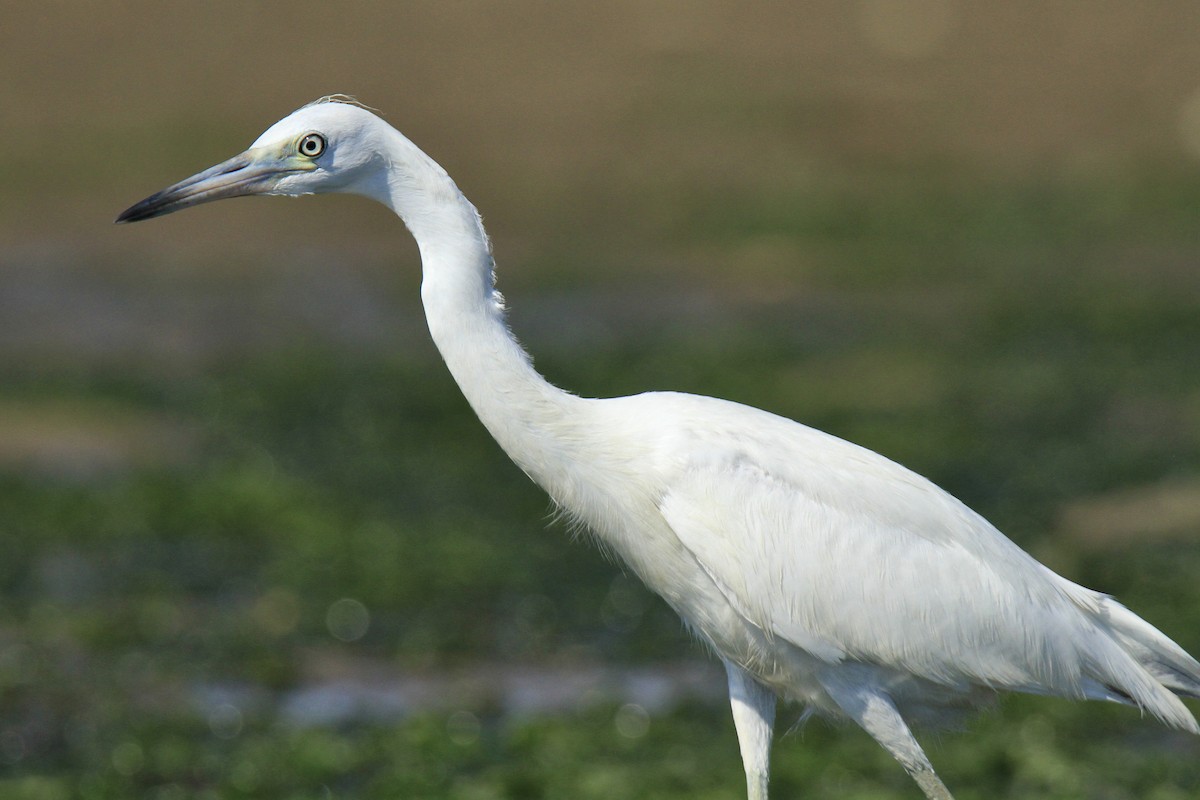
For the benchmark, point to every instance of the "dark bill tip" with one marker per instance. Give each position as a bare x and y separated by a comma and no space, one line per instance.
146,209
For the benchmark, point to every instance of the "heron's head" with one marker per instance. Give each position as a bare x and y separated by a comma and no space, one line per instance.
326,146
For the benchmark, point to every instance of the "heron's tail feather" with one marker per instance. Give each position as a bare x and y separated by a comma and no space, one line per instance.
1166,661
1139,665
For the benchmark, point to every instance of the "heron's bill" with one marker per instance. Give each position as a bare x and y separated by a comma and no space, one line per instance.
252,172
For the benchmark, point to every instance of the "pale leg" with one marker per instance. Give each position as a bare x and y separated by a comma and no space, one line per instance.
754,719
875,712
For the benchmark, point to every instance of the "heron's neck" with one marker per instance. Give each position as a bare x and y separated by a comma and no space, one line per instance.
526,414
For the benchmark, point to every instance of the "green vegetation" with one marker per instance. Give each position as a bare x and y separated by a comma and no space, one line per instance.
170,533
226,483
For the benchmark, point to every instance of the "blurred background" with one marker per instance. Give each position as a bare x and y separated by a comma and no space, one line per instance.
254,544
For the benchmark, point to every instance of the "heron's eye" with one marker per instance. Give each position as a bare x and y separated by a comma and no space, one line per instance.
312,145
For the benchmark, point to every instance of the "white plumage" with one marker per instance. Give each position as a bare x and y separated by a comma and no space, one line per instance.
818,571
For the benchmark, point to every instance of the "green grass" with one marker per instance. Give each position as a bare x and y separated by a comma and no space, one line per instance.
1034,749
1025,350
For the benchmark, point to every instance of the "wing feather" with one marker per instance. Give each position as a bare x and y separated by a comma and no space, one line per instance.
848,555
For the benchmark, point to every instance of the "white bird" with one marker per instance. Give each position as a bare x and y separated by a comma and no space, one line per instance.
818,571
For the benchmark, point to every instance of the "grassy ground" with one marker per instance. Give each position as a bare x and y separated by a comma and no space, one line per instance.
232,470
198,532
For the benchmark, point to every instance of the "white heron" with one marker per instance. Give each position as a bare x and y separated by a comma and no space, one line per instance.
818,571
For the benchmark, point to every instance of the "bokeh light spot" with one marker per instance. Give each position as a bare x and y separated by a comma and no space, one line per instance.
1189,125
463,728
906,28
225,721
632,721
128,758
348,620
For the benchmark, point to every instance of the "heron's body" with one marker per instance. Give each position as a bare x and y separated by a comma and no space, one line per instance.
818,571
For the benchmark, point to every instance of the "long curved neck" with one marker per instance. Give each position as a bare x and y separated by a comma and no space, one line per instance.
526,415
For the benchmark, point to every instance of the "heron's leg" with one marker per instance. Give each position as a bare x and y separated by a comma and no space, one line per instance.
877,714
754,718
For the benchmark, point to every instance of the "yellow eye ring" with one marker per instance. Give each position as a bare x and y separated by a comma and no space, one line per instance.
312,145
